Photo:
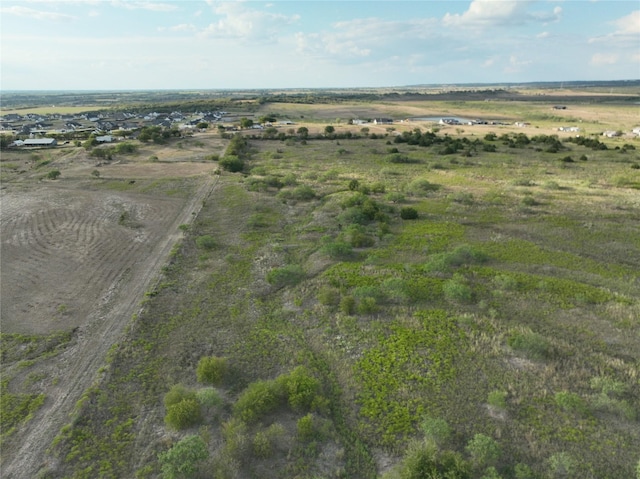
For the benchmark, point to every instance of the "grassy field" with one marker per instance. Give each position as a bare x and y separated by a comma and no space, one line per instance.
390,305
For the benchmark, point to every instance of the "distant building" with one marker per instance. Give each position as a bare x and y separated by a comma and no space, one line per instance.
104,139
559,107
572,129
40,142
382,121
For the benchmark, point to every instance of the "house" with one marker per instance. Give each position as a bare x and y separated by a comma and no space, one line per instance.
522,124
382,121
636,130
610,134
559,107
572,129
40,142
104,139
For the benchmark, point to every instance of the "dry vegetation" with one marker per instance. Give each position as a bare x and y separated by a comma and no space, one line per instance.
300,327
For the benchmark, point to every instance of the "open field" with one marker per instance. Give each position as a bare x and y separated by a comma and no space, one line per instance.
351,304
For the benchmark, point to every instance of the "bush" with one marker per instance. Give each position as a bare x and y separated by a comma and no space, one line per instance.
232,163
176,394
211,370
208,397
409,213
570,402
206,242
348,305
533,345
328,296
395,197
455,290
484,450
421,187
289,275
337,250
53,175
436,430
560,464
183,414
301,388
422,460
258,399
306,428
183,458
497,399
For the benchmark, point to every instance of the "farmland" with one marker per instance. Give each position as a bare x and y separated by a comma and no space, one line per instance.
357,301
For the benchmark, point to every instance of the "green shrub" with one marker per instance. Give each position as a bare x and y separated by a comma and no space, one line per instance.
491,473
211,370
522,471
348,305
462,255
463,198
607,385
367,305
206,242
436,430
208,397
561,465
183,459
183,414
232,163
329,296
356,234
176,394
421,187
301,388
456,290
337,250
306,428
288,275
570,402
409,213
483,450
533,345
262,446
497,399
422,460
53,174
258,399
303,193
395,197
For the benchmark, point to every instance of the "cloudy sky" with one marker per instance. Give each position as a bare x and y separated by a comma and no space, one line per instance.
202,44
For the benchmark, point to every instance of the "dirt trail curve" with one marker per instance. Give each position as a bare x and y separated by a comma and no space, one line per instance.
28,453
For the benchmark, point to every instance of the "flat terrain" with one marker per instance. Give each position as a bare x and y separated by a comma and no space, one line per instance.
464,296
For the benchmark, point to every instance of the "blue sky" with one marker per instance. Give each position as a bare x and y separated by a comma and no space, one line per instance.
210,44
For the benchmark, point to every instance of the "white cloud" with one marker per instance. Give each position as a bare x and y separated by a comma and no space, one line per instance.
627,34
240,22
183,27
543,35
516,65
367,37
601,59
629,25
37,14
491,13
143,5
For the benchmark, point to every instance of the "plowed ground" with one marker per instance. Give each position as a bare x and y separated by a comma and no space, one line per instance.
78,254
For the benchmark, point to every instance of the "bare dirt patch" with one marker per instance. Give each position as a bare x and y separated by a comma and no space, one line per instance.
79,255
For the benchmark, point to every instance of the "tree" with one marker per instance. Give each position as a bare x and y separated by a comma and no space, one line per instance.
246,122
183,458
203,125
329,130
303,132
53,174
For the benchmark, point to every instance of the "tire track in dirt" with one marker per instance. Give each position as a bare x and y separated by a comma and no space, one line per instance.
81,362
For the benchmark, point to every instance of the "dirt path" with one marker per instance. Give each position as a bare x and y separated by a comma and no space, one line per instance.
28,451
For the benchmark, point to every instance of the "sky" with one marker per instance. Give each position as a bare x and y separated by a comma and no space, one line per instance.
211,44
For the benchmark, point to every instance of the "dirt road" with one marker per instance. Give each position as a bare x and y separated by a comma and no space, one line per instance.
27,452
